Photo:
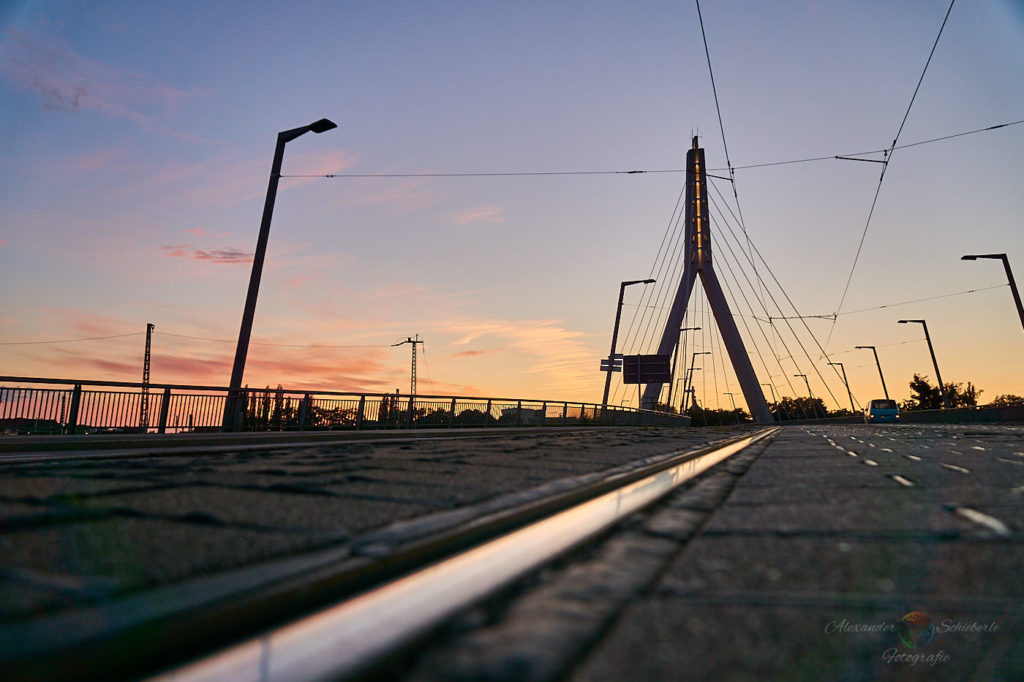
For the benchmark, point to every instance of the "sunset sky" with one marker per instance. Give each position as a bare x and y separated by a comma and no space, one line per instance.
138,139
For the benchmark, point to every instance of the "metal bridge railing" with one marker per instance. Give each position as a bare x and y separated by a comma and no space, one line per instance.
68,406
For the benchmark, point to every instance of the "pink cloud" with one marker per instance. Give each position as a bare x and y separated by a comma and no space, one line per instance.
67,81
472,353
92,161
224,255
3,243
481,214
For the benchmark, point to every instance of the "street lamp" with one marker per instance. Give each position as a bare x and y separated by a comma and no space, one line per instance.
692,358
1009,278
675,361
615,336
935,363
880,376
232,408
775,401
733,401
813,404
847,383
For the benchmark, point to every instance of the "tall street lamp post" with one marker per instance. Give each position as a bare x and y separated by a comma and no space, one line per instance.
935,363
847,383
675,361
879,365
615,336
692,359
231,413
733,401
808,390
1009,278
776,401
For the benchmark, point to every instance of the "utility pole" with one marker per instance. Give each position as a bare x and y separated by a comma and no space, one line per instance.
144,410
412,380
847,383
935,363
879,365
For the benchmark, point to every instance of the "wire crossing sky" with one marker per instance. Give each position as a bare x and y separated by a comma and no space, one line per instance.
498,168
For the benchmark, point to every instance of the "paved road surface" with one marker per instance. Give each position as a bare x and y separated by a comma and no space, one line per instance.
797,559
800,567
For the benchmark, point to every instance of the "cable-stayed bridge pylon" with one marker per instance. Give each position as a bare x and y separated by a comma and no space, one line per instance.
698,262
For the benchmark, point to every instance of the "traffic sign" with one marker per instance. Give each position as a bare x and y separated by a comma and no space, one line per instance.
646,369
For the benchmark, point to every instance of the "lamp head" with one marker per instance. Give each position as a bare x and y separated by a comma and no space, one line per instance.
968,258
323,125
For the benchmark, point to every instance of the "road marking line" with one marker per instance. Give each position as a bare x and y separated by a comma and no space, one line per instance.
886,449
851,453
906,482
990,522
871,462
1010,461
977,447
953,467
913,457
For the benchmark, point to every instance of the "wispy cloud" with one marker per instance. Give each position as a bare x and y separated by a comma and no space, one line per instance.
67,81
201,232
472,353
481,214
92,161
226,255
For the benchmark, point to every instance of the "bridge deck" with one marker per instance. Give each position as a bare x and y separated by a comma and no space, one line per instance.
765,568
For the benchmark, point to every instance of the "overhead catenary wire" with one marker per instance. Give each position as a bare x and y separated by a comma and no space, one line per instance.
772,297
651,171
887,157
88,338
278,345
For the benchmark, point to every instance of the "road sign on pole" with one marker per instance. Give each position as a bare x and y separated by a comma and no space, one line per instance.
616,366
646,369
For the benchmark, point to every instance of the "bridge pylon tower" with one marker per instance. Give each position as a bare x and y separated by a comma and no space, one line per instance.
699,263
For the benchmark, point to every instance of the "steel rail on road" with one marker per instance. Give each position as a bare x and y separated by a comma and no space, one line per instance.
354,635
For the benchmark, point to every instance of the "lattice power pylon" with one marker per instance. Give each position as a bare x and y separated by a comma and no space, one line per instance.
412,380
699,262
144,409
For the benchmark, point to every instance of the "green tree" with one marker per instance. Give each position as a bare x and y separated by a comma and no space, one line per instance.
925,396
799,408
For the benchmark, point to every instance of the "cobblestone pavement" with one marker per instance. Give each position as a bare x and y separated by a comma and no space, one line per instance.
76,533
798,560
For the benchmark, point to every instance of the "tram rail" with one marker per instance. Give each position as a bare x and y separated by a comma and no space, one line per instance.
353,635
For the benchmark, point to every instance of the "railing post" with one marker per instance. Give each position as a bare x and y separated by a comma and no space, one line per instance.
487,414
412,402
165,405
76,400
544,413
304,411
359,414
519,413
451,415
565,413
